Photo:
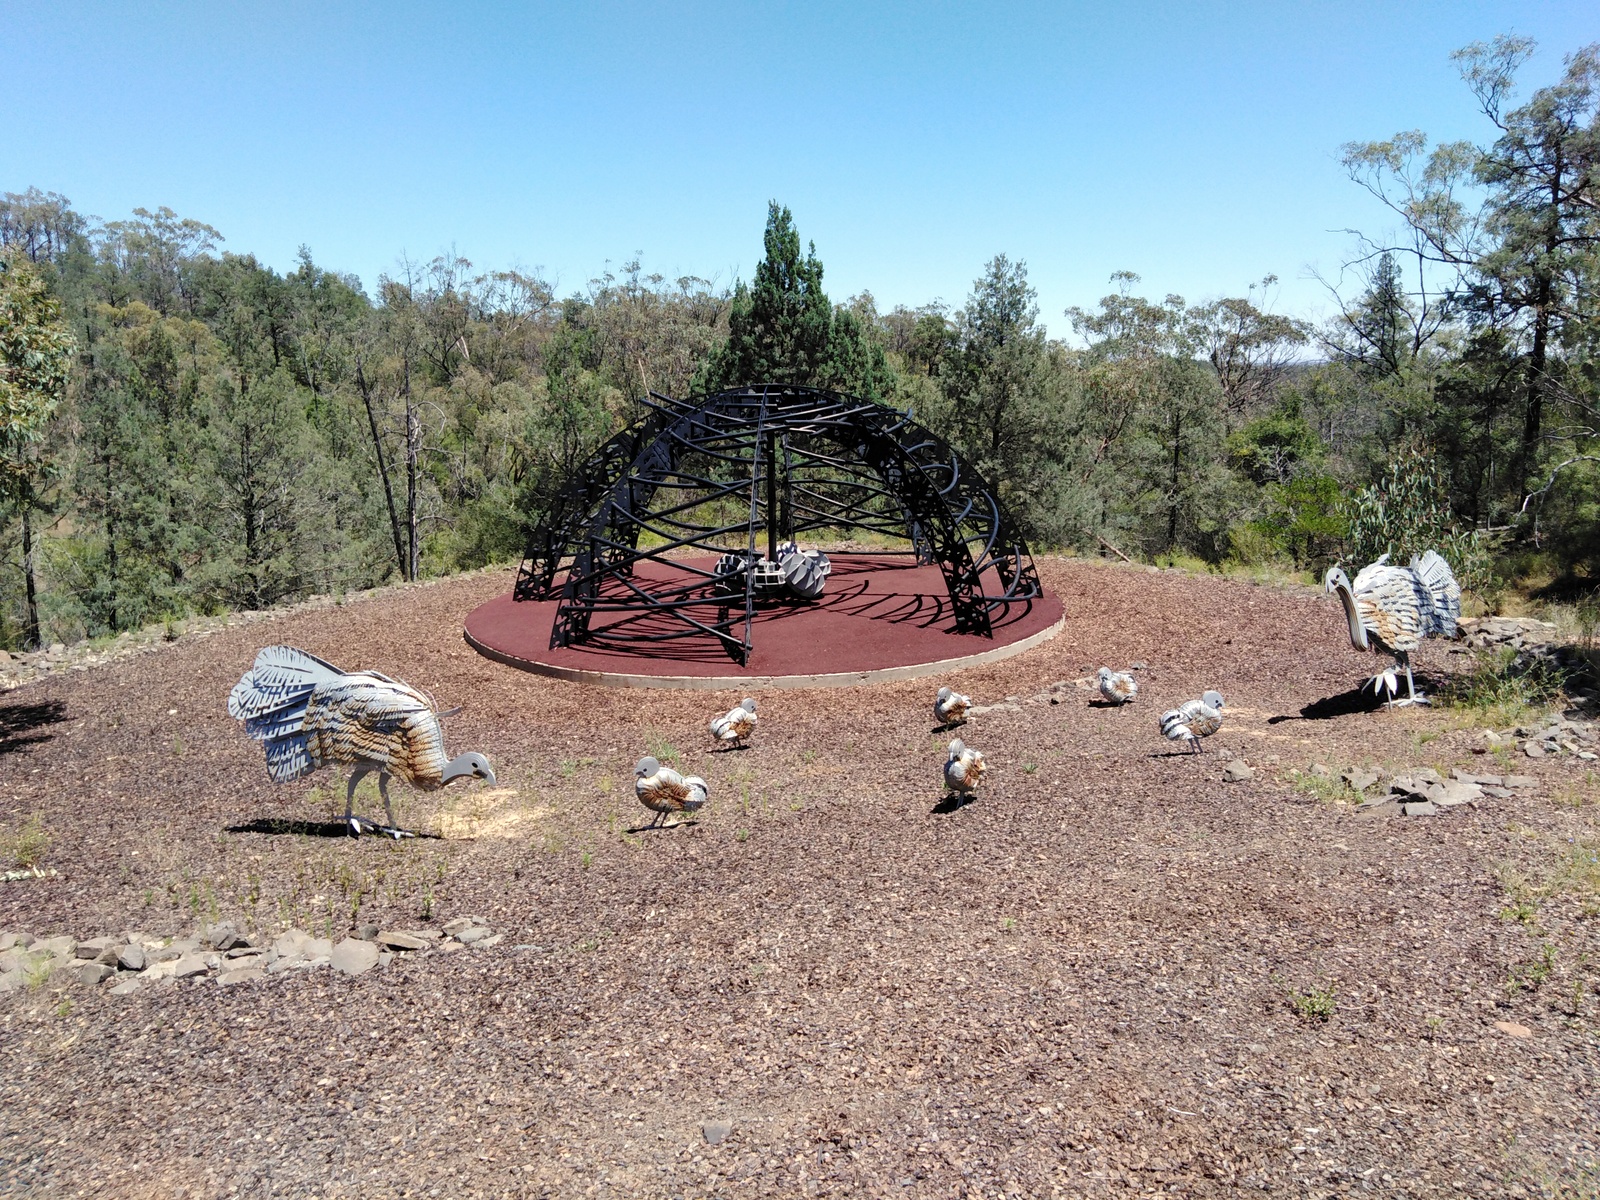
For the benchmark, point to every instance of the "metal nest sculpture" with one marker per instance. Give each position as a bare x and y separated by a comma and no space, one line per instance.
718,473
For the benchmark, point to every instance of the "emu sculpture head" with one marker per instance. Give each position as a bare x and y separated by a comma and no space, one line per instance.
471,765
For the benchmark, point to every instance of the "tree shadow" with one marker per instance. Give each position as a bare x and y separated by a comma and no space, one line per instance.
1564,589
19,724
1361,699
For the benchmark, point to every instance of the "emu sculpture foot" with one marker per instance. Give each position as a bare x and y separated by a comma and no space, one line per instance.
360,825
1412,700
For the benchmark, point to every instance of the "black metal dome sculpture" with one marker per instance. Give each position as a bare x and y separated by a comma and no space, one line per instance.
712,473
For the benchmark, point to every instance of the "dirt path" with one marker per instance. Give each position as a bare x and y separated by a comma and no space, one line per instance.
1081,984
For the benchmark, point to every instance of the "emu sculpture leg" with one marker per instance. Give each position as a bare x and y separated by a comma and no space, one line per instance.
1403,661
391,829
354,822
1411,684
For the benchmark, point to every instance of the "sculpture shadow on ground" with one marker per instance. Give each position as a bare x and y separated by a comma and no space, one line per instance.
20,724
649,828
279,826
950,804
1361,699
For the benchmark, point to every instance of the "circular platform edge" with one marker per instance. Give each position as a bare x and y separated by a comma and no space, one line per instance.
717,683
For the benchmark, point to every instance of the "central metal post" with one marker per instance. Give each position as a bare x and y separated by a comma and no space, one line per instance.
772,495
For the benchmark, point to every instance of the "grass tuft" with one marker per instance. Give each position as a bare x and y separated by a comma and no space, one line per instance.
1499,693
26,845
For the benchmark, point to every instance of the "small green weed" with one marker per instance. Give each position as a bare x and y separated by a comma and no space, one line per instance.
27,845
1314,1004
1522,912
1317,1004
1530,976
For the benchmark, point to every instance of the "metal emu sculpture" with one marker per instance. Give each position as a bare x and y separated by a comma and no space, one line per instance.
310,714
1391,609
716,473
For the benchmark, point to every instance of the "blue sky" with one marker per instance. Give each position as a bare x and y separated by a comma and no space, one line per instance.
1196,144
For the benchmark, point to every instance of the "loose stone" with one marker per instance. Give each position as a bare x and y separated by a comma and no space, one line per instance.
396,940
354,956
93,972
192,964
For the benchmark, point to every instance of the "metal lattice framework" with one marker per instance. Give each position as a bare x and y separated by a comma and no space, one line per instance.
711,473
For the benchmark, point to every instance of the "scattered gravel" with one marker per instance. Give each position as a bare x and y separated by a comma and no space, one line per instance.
1103,977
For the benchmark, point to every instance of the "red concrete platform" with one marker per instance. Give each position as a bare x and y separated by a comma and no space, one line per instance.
881,618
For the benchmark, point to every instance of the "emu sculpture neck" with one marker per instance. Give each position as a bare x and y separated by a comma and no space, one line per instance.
1358,632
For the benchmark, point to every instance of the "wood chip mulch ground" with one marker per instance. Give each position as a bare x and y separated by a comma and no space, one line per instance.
1113,974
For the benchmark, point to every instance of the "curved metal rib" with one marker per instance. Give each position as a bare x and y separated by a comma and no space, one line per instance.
845,464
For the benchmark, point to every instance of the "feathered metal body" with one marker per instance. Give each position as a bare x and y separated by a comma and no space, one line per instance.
662,790
950,706
1391,609
1193,720
964,768
736,725
1117,687
309,714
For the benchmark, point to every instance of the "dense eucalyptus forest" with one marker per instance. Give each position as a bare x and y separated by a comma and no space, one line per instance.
187,429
